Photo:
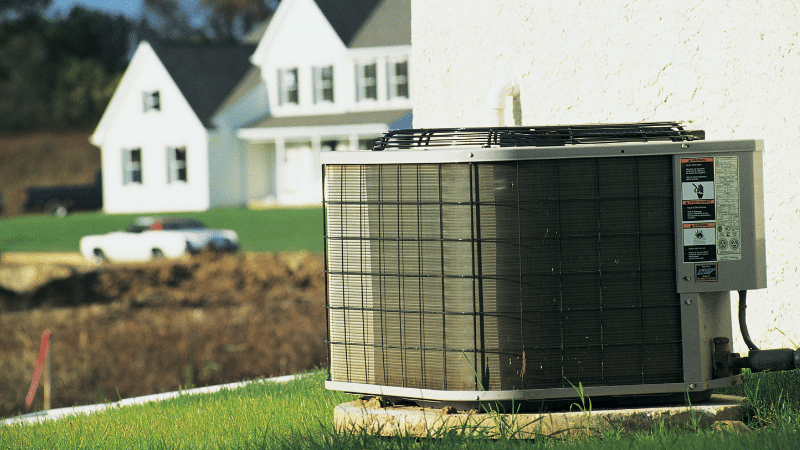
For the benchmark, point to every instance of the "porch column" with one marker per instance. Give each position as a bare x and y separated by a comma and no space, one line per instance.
280,165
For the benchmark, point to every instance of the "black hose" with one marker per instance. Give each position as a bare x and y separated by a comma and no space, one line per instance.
743,322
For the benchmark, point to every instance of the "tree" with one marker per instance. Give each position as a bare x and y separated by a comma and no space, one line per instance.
204,20
62,72
13,9
168,20
81,91
23,88
92,34
231,19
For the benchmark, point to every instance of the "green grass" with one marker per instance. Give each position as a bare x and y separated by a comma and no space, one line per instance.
263,230
774,397
299,415
249,417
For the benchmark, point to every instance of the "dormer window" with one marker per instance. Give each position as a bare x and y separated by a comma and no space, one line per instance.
152,101
398,79
288,86
367,82
323,84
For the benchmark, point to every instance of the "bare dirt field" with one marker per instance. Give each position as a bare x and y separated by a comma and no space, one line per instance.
123,330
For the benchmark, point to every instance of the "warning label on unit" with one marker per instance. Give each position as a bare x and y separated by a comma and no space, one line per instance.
710,210
698,210
698,205
729,226
699,242
697,169
697,189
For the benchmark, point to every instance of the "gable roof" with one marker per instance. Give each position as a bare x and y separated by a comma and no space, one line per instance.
256,33
369,23
389,24
250,80
205,74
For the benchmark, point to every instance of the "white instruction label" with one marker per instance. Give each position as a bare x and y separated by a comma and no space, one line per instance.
729,224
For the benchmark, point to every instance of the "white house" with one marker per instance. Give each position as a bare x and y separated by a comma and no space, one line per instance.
337,77
156,136
730,67
195,127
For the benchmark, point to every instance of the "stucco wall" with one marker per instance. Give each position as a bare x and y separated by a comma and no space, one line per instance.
729,67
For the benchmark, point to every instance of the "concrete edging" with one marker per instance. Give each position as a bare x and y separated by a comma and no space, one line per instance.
369,417
53,414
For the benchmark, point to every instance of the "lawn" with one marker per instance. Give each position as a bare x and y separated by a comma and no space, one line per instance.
299,415
262,230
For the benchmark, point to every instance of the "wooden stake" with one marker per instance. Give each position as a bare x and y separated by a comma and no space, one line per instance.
44,351
47,372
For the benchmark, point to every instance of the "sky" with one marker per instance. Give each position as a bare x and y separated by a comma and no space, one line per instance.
131,8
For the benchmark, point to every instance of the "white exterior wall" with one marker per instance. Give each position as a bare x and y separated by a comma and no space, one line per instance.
227,168
728,67
175,125
230,179
300,36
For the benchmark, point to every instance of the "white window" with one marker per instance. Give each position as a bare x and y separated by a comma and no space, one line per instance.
176,164
367,82
323,84
151,101
288,86
132,166
398,79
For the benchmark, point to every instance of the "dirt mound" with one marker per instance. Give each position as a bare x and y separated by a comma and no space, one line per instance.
208,279
26,271
135,329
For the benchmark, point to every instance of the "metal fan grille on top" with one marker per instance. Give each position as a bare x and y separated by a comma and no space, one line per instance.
537,136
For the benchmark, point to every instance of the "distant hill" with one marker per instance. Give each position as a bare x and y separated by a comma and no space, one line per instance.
44,158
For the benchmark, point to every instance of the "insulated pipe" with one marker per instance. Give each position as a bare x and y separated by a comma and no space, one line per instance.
760,360
772,359
743,321
496,99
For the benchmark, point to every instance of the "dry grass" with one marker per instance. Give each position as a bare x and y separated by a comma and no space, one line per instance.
130,330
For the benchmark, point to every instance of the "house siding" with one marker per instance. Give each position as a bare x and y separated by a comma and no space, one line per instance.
233,156
289,138
728,67
303,39
226,164
154,131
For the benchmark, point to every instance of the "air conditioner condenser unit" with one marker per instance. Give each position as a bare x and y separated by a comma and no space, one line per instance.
500,265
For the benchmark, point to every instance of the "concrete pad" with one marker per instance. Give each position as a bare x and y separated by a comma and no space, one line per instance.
368,416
